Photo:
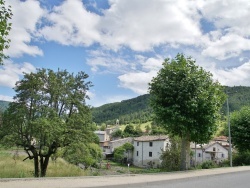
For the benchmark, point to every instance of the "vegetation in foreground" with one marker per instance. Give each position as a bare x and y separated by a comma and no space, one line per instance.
13,166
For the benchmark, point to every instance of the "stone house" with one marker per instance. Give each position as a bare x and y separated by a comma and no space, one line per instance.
148,149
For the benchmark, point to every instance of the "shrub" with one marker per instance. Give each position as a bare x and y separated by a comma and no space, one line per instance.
208,165
241,159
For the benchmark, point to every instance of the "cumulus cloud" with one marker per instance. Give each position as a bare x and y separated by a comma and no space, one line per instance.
137,82
231,21
71,24
12,72
234,76
134,24
142,26
26,16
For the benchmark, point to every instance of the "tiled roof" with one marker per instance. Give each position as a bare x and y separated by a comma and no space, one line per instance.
151,138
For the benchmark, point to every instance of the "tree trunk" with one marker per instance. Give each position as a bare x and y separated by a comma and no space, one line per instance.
36,166
44,164
185,153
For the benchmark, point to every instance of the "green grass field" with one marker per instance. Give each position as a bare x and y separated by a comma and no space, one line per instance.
15,167
143,126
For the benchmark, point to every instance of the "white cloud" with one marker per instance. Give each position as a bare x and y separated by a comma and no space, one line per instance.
6,98
137,82
26,16
71,24
231,34
142,26
227,46
12,72
233,77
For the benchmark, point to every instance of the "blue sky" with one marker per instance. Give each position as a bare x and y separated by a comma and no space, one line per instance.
121,44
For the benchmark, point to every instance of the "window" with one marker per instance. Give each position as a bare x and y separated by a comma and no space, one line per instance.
137,153
150,154
150,144
137,143
199,154
214,149
222,155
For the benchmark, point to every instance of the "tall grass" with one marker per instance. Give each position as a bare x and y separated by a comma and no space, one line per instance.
14,167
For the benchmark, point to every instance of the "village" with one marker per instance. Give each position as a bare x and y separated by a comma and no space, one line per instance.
147,149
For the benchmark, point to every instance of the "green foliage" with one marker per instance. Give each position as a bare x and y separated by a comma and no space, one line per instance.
208,165
238,96
117,133
171,157
130,130
157,130
186,102
88,154
103,127
49,113
241,159
240,129
119,154
128,146
5,27
185,99
120,151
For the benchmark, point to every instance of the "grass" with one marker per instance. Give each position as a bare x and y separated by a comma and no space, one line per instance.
143,126
15,167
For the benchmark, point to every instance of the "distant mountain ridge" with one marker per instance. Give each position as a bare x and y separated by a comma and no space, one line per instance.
3,105
138,109
131,110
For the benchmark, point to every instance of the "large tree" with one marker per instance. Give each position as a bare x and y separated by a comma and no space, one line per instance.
240,129
5,26
49,112
186,102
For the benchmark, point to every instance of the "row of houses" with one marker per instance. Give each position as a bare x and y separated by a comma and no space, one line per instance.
148,149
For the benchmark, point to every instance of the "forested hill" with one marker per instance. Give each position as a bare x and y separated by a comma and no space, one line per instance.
132,110
138,110
3,105
238,96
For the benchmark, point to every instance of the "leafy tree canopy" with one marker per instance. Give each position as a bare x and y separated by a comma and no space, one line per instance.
186,102
5,27
185,99
49,112
240,129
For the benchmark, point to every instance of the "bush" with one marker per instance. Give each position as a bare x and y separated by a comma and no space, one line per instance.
208,165
241,159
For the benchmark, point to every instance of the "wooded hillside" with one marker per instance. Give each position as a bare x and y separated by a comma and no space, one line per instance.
3,105
137,109
133,110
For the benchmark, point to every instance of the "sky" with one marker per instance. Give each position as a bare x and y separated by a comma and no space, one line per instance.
121,44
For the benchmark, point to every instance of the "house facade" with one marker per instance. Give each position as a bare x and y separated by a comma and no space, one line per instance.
148,149
213,151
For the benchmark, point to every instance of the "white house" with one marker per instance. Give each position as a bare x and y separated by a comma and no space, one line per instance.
148,149
213,151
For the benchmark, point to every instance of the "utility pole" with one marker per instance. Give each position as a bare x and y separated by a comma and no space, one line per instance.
229,135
